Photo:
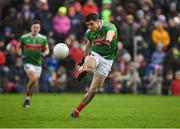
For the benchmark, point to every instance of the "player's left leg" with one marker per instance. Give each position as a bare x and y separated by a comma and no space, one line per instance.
96,83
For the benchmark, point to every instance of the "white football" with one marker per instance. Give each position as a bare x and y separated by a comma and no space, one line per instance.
61,50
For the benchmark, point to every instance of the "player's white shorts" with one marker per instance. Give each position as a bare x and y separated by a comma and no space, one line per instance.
37,69
103,65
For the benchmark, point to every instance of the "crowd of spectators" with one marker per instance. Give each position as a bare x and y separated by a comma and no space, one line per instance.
154,70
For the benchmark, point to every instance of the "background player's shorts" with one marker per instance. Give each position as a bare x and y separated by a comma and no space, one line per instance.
36,69
103,66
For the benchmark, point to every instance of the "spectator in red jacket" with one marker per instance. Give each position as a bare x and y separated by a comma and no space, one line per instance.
90,6
2,58
175,85
76,52
3,68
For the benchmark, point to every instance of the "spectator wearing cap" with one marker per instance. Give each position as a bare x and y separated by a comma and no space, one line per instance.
61,24
162,19
106,10
160,35
140,16
8,35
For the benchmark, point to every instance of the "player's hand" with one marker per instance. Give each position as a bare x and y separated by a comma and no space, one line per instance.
81,62
108,43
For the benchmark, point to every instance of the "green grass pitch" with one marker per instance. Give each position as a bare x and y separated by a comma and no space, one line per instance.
105,111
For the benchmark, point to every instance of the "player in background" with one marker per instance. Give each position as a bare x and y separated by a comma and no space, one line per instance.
32,47
99,54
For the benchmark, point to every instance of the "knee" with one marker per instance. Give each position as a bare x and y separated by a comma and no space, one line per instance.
90,64
33,80
92,91
89,67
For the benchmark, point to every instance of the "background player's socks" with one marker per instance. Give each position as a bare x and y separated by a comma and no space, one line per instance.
27,98
26,103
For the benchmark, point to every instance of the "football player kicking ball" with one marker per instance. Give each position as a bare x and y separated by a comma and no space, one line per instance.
32,47
100,51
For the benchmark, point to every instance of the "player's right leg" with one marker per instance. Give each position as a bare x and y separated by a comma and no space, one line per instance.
89,66
32,79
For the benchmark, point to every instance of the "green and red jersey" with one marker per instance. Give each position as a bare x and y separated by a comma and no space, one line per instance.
98,38
32,47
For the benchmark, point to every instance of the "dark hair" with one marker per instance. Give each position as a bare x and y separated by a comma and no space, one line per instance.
36,22
92,16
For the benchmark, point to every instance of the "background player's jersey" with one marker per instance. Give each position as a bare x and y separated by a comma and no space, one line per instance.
32,47
98,37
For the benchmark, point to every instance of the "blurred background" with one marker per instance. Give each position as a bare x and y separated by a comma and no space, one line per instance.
148,60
